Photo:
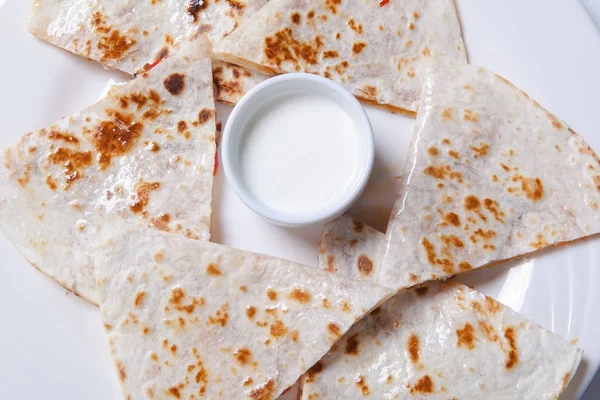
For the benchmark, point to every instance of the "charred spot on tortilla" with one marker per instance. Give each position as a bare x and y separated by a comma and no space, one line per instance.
301,295
314,371
175,83
423,385
334,329
264,391
360,381
272,294
365,265
513,355
358,47
116,137
250,311
213,269
296,18
352,345
205,115
195,7
330,54
472,203
73,161
278,329
243,355
413,348
141,198
466,336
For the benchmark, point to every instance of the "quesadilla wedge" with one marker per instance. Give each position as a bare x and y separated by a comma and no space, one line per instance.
491,176
134,35
375,49
193,319
145,153
440,341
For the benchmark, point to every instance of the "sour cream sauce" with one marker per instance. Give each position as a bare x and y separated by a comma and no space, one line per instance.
300,154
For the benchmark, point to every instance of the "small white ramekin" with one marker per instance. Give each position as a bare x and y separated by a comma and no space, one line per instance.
252,102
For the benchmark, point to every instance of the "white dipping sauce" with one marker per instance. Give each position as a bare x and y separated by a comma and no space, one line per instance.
301,154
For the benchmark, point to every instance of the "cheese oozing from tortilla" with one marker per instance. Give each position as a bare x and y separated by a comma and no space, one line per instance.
301,154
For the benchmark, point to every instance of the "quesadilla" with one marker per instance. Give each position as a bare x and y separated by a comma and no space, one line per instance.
440,341
145,153
133,36
375,49
491,176
193,319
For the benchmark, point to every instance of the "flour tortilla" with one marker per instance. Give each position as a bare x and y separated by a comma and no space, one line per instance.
491,176
196,318
437,342
375,50
132,35
145,153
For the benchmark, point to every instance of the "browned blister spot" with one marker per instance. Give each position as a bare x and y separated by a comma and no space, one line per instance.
142,196
361,383
195,7
422,291
161,222
243,356
278,329
365,265
480,151
466,336
72,161
116,137
330,261
493,207
443,172
352,345
413,348
113,45
447,113
250,311
54,135
264,391
330,54
454,154
121,370
301,295
532,187
358,47
472,203
213,269
513,355
433,151
452,219
358,28
51,182
271,294
313,372
423,385
334,329
205,115
464,266
175,83
282,46
139,298
221,317
296,18
540,242
357,226
470,116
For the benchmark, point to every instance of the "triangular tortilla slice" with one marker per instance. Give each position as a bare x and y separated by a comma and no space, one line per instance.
441,341
134,35
491,176
193,319
145,153
375,49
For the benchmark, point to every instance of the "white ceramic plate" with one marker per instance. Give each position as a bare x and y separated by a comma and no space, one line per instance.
52,345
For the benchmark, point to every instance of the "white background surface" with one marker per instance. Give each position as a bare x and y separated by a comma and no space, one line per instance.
52,345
